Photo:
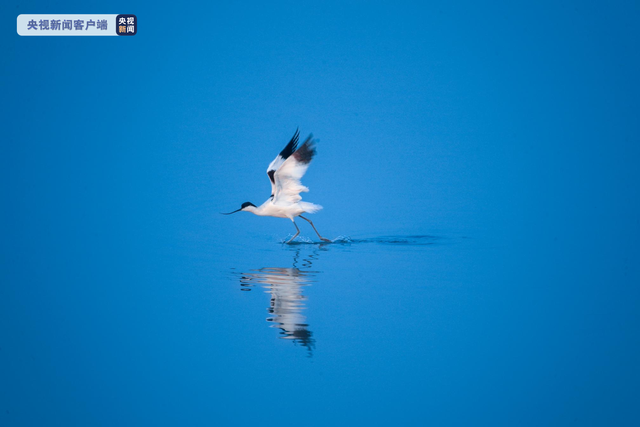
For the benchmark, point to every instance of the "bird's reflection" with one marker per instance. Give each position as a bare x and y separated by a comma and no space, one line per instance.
286,285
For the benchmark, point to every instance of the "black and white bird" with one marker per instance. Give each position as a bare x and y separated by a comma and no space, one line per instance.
285,172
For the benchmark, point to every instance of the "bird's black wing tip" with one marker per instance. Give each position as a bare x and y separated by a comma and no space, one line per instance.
292,146
307,150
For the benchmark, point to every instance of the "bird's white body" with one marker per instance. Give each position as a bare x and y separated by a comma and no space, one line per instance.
285,172
269,208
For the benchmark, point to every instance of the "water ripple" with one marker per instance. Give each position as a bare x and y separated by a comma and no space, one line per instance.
411,240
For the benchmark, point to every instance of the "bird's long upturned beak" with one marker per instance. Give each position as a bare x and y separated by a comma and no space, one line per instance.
230,212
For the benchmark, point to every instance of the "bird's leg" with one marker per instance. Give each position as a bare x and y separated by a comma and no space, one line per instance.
314,227
296,235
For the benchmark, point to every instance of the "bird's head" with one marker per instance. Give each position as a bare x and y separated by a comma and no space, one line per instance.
245,206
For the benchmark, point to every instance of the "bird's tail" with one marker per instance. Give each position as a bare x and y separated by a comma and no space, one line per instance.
310,207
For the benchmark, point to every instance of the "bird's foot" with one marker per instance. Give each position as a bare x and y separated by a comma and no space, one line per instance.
325,240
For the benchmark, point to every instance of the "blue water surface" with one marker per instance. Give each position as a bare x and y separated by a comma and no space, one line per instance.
477,168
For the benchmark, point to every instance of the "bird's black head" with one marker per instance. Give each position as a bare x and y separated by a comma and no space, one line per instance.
243,207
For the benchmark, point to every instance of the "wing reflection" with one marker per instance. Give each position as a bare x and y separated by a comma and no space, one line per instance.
287,299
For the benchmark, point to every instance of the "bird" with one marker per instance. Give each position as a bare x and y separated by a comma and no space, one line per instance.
284,173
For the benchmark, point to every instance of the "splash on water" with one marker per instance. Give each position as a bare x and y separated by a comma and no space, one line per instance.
411,240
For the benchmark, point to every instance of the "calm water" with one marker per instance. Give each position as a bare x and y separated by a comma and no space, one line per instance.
477,164
387,329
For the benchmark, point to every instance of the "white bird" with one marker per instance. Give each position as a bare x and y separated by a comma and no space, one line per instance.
285,172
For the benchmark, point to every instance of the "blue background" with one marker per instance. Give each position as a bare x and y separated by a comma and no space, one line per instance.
508,132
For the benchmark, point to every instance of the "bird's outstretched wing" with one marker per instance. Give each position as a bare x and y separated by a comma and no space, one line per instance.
287,177
280,159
